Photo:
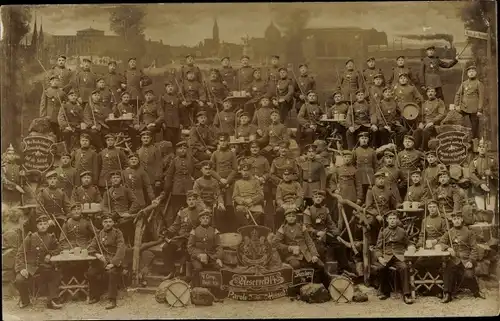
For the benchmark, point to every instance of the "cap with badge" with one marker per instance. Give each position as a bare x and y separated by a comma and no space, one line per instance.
379,174
289,171
205,212
42,218
409,137
290,211
370,58
245,56
106,216
246,114
443,171
146,133
403,74
86,173
431,48
206,163
115,173
364,134
311,147
201,113
388,153
282,68
245,166
50,174
182,143
471,67
318,192
416,171
132,155
109,136
191,193
96,92
75,205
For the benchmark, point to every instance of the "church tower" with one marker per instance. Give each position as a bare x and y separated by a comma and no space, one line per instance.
34,39
215,32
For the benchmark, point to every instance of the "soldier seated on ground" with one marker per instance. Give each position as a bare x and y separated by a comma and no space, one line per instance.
33,259
204,247
392,242
176,235
463,259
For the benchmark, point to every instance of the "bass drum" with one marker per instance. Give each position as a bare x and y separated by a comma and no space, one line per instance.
410,111
341,289
177,293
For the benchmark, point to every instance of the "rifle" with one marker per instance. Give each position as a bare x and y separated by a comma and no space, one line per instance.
360,212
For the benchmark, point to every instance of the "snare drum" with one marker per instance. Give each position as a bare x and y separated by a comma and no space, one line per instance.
177,293
410,111
341,289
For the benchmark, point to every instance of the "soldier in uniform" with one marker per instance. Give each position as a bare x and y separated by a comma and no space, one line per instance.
448,197
470,99
463,250
11,178
275,135
177,234
304,84
248,197
190,67
77,230
53,201
289,195
110,159
484,172
225,167
244,74
33,259
64,74
151,159
228,74
170,104
245,129
296,245
371,72
70,120
339,110
360,117
107,98
433,112
350,82
225,120
135,80
257,89
50,103
280,163
85,158
393,175
204,246
207,187
323,155
375,88
309,119
409,159
392,242
273,73
312,174
109,249
95,115
114,80
365,159
388,120
120,110
178,180
404,92
262,116
430,172
216,92
433,226
136,178
202,138
68,177
430,71
399,70
343,179
417,192
284,93
84,81
150,115
86,192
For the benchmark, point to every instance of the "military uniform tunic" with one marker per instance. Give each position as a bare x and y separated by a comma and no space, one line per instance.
393,176
200,137
204,240
374,93
68,179
191,67
95,112
370,73
309,114
434,227
50,103
365,159
133,78
79,232
449,199
410,159
246,130
151,113
303,85
278,167
248,189
407,94
477,170
228,75
179,176
273,74
276,134
209,191
260,166
71,114
464,244
350,82
430,71
392,242
86,160
258,88
382,199
120,199
433,111
10,177
398,71
31,254
193,91
84,83
289,193
429,176
124,108
114,81
318,219
340,108
151,162
86,194
217,91
285,89
112,245
262,118
244,77
387,113
225,164
64,74
138,181
295,235
343,179
110,159
225,121
171,110
313,176
185,221
416,193
470,96
363,115
107,98
54,201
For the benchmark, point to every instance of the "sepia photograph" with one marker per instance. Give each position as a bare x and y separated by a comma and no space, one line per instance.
249,160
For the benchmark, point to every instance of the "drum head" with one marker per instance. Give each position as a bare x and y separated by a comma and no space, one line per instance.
410,111
341,289
177,294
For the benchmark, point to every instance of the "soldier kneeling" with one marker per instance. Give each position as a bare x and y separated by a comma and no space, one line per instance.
204,246
109,249
33,259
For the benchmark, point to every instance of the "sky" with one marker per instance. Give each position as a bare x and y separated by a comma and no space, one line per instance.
188,24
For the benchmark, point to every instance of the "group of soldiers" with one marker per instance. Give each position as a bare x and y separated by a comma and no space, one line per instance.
210,163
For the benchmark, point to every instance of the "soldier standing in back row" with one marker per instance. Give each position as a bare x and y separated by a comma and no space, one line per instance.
430,71
228,74
370,72
399,70
135,81
115,81
350,81
84,81
304,84
190,67
273,73
284,91
244,74
50,103
470,98
64,74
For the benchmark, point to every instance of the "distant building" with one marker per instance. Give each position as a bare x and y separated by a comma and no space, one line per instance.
263,48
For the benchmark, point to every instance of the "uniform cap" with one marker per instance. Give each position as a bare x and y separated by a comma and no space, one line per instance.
84,135
400,57
282,68
244,114
443,171
132,155
429,88
471,67
370,58
432,201
346,152
254,144
225,136
403,74
245,56
70,92
188,55
125,93
349,60
388,153
181,144
310,147
386,89
245,166
53,77
379,174
378,75
84,173
255,70
430,47
86,59
359,91
289,171
96,91
109,136
416,171
115,173
51,174
431,152
191,193
112,62
275,111
226,57
284,143
290,211
409,137
42,218
337,92
65,153
106,217
99,79
318,192
62,56
201,113
303,65
456,214
168,82
275,56
149,91
204,212
206,163
363,134
311,92
76,204
146,133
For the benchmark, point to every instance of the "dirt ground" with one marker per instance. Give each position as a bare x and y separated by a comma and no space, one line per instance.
140,306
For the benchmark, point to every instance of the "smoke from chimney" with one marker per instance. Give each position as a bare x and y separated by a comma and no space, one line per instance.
437,36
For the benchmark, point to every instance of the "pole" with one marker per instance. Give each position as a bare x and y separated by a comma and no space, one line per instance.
491,81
